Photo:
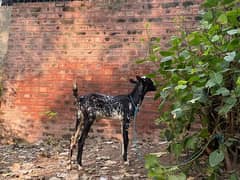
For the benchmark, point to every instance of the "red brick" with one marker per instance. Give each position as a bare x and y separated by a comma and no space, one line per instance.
49,47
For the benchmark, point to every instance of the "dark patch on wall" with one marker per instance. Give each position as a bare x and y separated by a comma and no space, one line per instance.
67,21
121,20
170,5
133,32
36,9
159,19
81,33
107,39
68,8
134,20
115,46
198,18
187,3
114,33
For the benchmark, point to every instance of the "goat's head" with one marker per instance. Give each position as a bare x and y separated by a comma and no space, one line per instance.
145,84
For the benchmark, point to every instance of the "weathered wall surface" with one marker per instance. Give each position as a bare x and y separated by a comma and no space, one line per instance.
95,42
5,16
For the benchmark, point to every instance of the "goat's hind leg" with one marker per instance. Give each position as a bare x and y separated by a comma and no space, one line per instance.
81,141
75,137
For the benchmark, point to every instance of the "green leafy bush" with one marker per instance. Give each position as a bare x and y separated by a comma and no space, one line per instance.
200,84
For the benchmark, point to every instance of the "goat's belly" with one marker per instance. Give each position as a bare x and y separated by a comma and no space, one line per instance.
115,115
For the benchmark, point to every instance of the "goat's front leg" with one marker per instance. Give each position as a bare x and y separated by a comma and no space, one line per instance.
125,127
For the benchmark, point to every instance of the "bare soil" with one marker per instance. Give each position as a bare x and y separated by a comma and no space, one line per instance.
48,159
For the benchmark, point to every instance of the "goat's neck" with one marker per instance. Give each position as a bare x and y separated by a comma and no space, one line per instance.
137,95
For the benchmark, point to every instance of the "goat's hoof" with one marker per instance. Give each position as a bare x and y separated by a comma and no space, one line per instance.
126,163
69,167
80,167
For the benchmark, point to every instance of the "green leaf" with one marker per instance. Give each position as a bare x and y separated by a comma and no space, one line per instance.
168,134
206,25
231,101
175,41
194,39
147,25
151,161
204,133
215,38
167,88
176,113
157,173
216,157
238,81
156,48
208,16
194,79
210,83
180,176
166,53
177,148
229,104
224,2
192,142
233,44
215,78
199,92
222,19
233,17
157,39
210,3
151,75
237,91
182,82
230,56
234,176
165,59
153,58
223,91
139,61
185,54
178,87
50,114
233,31
194,100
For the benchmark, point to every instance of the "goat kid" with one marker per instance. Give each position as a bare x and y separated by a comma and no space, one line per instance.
98,106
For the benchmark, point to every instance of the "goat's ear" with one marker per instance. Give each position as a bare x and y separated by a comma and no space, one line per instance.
132,81
138,78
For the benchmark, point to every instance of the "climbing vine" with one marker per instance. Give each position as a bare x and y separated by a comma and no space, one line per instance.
200,86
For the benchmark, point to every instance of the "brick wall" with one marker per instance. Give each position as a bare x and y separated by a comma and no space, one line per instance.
95,42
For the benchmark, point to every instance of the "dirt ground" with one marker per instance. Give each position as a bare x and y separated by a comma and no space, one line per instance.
48,159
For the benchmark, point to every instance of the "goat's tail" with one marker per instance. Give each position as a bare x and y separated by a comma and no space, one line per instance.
75,90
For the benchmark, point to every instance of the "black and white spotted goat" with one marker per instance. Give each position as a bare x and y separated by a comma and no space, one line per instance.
98,106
